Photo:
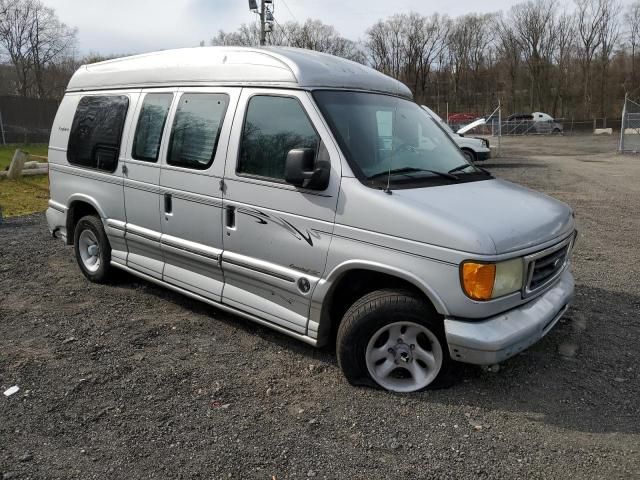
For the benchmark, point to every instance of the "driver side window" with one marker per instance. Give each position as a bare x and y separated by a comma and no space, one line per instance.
273,125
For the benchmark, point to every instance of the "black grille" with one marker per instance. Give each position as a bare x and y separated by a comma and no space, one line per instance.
545,268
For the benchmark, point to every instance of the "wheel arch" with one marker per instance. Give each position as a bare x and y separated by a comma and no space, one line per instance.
78,206
473,153
352,279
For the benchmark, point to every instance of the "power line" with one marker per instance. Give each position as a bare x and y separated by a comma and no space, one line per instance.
267,19
290,12
283,31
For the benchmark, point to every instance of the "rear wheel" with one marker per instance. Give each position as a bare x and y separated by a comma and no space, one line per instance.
469,155
92,249
392,339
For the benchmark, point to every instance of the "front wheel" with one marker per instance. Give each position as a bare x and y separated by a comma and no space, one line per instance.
392,339
469,155
92,249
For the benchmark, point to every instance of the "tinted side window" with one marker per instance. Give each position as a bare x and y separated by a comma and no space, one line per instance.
96,132
273,126
153,116
196,129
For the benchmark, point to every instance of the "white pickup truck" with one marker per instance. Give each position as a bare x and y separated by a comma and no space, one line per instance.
475,149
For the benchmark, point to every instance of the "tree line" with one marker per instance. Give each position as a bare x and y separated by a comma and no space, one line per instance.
37,49
577,60
570,60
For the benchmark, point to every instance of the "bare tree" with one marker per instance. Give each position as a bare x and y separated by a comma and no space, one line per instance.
407,46
534,26
34,40
608,36
470,46
313,35
15,26
510,54
563,59
632,21
386,45
50,41
590,16
245,36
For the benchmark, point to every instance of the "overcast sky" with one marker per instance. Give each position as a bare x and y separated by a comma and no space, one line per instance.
136,26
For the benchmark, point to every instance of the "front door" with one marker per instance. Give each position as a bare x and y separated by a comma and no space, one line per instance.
276,235
190,189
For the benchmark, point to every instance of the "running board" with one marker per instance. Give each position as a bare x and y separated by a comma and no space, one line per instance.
221,306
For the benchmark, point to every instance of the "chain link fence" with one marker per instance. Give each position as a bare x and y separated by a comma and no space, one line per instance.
26,120
630,130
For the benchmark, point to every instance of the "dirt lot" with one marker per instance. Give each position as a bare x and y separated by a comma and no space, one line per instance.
133,381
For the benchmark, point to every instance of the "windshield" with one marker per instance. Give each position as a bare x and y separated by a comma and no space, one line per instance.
381,134
439,119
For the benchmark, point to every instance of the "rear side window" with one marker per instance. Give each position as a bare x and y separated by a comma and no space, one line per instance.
273,126
196,129
153,115
96,132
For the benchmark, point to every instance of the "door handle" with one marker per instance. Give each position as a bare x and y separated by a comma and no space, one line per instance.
230,218
125,170
168,204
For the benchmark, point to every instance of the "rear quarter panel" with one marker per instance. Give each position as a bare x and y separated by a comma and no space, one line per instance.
70,183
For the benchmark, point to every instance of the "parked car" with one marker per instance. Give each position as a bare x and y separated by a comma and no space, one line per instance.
309,194
474,149
536,122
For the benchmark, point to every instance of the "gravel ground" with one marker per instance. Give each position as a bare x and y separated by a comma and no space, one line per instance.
133,381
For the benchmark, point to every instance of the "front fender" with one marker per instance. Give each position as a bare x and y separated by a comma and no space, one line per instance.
336,273
319,324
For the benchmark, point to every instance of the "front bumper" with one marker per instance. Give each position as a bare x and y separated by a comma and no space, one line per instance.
495,339
481,156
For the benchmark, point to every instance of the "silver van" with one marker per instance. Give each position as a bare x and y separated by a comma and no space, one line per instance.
310,194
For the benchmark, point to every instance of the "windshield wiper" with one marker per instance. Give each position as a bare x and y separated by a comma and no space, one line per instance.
460,168
406,170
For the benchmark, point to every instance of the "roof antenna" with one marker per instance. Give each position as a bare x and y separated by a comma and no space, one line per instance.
388,190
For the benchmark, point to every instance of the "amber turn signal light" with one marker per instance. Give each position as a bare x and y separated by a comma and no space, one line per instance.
478,280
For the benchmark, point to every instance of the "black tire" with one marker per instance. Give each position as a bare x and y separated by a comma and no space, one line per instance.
104,271
371,313
469,154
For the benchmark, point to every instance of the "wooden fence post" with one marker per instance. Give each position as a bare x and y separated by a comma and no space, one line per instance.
17,164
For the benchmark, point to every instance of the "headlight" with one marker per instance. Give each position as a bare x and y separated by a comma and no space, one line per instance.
485,281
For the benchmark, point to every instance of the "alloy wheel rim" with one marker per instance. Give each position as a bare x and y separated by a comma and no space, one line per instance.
404,356
89,249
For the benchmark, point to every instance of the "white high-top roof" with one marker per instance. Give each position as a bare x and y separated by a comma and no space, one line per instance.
270,66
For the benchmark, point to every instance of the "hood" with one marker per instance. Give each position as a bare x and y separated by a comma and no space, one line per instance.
472,142
486,217
471,126
513,217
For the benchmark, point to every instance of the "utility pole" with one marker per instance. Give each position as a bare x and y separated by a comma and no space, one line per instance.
263,32
266,18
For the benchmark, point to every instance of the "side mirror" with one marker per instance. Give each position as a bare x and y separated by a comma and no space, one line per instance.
302,170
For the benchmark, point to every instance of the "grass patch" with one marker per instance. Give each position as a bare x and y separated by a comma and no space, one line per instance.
24,196
7,151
